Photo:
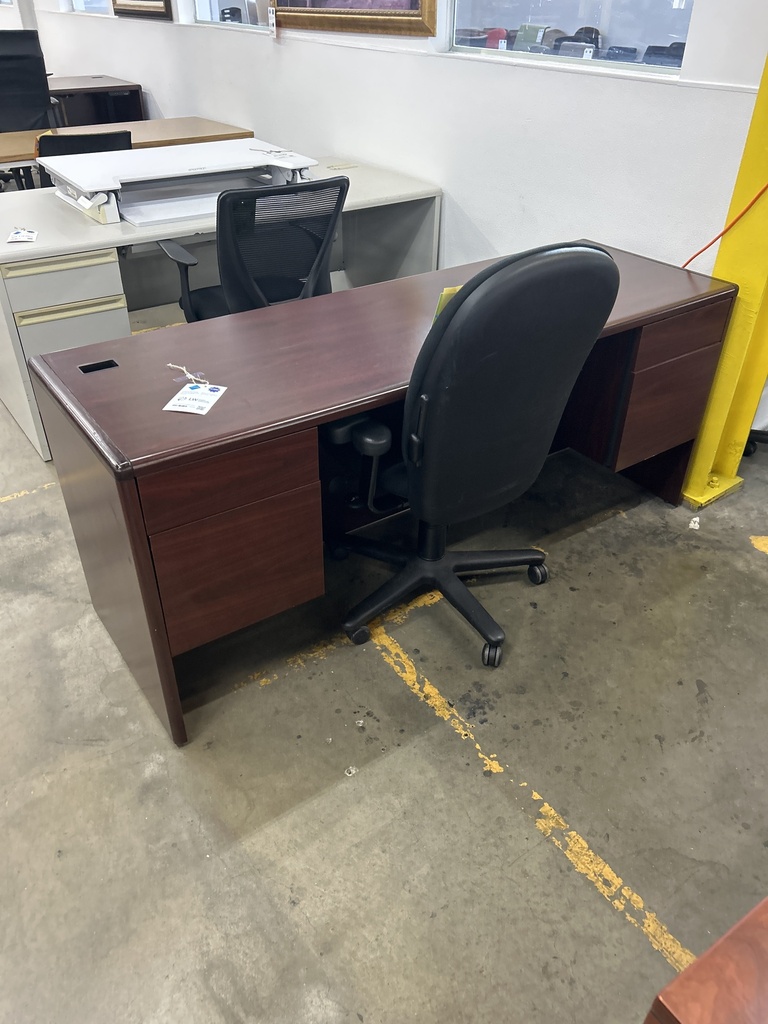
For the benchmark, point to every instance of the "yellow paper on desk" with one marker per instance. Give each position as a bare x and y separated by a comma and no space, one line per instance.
445,297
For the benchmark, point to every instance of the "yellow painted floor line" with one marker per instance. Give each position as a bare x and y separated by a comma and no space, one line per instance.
622,898
23,494
761,543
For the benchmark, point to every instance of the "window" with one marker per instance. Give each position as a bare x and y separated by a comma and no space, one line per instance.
647,33
92,6
232,12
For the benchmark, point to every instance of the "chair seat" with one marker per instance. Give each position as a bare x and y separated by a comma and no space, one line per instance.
208,302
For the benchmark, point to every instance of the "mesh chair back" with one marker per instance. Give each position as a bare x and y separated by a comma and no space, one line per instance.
274,243
94,142
26,103
492,379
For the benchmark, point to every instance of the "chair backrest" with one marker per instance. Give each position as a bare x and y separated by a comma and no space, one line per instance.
588,34
24,42
231,14
274,243
26,100
492,379
93,142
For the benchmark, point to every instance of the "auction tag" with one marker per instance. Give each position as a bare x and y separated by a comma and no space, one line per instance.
22,235
197,398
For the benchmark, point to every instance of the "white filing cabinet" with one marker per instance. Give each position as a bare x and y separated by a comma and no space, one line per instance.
50,304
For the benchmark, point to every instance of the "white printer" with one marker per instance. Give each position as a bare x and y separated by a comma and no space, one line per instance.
167,184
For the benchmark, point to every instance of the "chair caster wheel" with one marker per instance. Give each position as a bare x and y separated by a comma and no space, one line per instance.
492,655
538,574
359,636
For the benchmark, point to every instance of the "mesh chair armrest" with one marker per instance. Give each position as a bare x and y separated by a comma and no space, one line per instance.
183,260
178,253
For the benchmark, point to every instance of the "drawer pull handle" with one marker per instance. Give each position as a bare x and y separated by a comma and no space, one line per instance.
76,261
82,308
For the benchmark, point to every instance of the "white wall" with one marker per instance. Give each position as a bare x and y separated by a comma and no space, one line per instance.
525,154
10,16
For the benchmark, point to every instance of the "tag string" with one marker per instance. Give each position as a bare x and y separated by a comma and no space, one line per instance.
194,377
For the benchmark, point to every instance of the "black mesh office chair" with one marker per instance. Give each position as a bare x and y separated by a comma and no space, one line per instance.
484,401
26,101
273,245
93,142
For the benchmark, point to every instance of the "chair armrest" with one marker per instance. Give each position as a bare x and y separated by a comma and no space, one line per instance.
178,253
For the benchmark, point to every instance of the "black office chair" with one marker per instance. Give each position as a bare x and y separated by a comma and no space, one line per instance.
484,401
26,101
273,245
586,34
93,142
233,14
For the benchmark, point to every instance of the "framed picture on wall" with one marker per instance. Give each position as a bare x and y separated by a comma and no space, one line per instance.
143,9
385,17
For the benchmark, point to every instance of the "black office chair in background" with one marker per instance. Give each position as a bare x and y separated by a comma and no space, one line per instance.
485,398
587,34
273,245
93,142
26,101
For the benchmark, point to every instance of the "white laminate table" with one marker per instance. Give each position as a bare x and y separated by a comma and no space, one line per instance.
73,285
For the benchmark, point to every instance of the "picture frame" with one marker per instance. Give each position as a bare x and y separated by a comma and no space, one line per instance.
383,17
160,9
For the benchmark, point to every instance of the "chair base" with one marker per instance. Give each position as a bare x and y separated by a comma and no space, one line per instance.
434,568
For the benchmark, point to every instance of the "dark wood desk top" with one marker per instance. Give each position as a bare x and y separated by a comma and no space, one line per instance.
296,365
88,83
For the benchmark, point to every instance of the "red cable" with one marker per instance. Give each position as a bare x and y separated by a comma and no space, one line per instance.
728,227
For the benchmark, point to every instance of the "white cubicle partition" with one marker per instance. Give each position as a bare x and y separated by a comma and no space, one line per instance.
75,283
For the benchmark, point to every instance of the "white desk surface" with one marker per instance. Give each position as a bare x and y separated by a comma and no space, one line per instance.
62,229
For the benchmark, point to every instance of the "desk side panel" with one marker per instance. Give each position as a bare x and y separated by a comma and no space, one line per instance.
106,520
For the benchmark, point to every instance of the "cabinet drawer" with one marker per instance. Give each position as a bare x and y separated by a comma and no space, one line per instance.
71,326
61,280
186,494
666,405
681,334
233,569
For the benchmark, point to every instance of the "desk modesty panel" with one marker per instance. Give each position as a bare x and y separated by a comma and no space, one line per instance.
240,485
97,99
76,282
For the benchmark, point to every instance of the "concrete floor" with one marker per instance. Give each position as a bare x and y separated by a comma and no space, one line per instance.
547,841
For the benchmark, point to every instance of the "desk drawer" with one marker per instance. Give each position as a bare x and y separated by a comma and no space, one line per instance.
236,568
186,494
679,335
83,323
62,280
666,405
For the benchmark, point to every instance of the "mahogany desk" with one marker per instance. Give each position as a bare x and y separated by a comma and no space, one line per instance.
728,984
239,486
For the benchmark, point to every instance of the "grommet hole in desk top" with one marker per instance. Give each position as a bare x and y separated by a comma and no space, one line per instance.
105,364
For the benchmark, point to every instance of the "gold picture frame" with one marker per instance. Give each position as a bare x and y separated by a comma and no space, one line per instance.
160,9
383,17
